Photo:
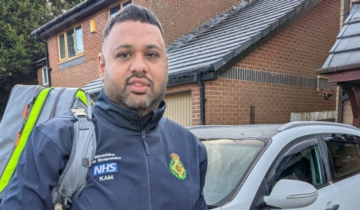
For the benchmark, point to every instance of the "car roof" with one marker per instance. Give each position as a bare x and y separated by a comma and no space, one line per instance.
235,131
256,130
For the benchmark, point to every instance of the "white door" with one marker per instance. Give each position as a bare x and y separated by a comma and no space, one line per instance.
344,159
304,162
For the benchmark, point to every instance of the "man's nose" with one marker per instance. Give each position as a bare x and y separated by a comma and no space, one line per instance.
139,65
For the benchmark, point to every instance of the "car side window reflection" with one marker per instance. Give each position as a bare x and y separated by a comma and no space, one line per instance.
305,165
344,154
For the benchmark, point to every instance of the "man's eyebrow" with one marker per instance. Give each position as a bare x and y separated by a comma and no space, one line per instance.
151,46
123,46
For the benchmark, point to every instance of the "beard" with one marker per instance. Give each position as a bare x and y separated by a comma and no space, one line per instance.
140,103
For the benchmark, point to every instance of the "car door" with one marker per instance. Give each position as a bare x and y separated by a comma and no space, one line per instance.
303,160
344,160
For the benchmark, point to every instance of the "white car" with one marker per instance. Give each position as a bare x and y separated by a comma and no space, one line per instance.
299,165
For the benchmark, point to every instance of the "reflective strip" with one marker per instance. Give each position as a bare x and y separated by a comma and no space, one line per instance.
34,114
81,95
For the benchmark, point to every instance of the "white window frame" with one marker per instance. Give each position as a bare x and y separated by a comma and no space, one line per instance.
77,54
45,75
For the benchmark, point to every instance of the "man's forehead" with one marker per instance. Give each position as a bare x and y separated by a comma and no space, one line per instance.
134,30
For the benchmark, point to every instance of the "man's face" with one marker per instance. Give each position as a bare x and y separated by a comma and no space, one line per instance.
134,66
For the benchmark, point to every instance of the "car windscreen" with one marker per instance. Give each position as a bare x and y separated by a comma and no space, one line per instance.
228,163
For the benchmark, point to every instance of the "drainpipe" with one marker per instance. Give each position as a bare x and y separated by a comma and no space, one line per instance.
202,99
47,62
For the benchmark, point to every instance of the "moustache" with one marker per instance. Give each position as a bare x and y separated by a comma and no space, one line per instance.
140,76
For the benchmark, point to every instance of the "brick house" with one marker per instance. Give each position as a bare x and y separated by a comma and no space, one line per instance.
343,64
253,63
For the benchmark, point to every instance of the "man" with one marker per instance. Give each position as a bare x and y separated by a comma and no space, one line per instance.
156,163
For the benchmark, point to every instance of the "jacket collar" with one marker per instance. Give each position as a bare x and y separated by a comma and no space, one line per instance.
127,118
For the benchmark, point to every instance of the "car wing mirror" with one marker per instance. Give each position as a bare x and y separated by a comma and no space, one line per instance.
291,194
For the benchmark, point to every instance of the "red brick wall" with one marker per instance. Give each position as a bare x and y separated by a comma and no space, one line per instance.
39,77
178,18
228,101
297,50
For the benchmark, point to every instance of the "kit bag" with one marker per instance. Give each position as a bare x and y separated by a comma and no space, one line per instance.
29,106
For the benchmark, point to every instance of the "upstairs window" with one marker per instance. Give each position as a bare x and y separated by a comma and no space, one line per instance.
117,7
71,43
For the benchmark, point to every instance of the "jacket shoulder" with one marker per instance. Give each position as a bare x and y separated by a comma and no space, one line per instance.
178,130
59,130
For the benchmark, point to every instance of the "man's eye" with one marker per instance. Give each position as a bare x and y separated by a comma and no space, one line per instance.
123,55
153,55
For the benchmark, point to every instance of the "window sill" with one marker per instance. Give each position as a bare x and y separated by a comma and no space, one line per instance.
72,62
72,58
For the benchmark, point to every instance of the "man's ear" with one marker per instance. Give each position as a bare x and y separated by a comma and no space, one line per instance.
101,66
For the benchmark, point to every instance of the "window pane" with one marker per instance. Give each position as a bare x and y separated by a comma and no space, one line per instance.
126,4
79,40
62,46
306,166
71,43
343,155
229,160
114,10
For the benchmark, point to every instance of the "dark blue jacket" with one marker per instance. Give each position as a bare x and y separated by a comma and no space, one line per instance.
150,163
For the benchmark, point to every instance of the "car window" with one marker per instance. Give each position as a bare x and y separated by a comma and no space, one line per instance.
228,163
305,165
343,152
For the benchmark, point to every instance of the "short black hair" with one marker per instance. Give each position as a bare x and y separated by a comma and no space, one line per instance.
133,13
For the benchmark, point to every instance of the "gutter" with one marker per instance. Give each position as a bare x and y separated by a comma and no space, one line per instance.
335,69
200,83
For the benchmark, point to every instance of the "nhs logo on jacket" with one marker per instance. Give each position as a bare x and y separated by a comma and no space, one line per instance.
105,168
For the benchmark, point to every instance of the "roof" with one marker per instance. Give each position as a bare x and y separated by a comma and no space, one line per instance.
235,131
227,36
345,54
39,63
255,131
73,15
94,86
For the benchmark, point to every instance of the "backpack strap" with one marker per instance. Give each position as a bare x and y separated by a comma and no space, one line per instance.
73,179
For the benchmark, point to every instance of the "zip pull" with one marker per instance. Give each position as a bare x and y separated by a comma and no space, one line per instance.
25,111
18,139
27,107
145,143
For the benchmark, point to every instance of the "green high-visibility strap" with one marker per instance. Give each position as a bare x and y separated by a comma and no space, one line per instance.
31,121
81,95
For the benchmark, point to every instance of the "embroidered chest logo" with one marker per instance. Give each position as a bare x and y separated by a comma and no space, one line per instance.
103,169
177,167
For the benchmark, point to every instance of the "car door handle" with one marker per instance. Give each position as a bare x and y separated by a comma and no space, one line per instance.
335,207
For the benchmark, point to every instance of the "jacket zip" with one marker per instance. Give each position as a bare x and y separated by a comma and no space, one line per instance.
147,154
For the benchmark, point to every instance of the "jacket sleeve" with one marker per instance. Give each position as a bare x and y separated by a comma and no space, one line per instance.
201,203
37,173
